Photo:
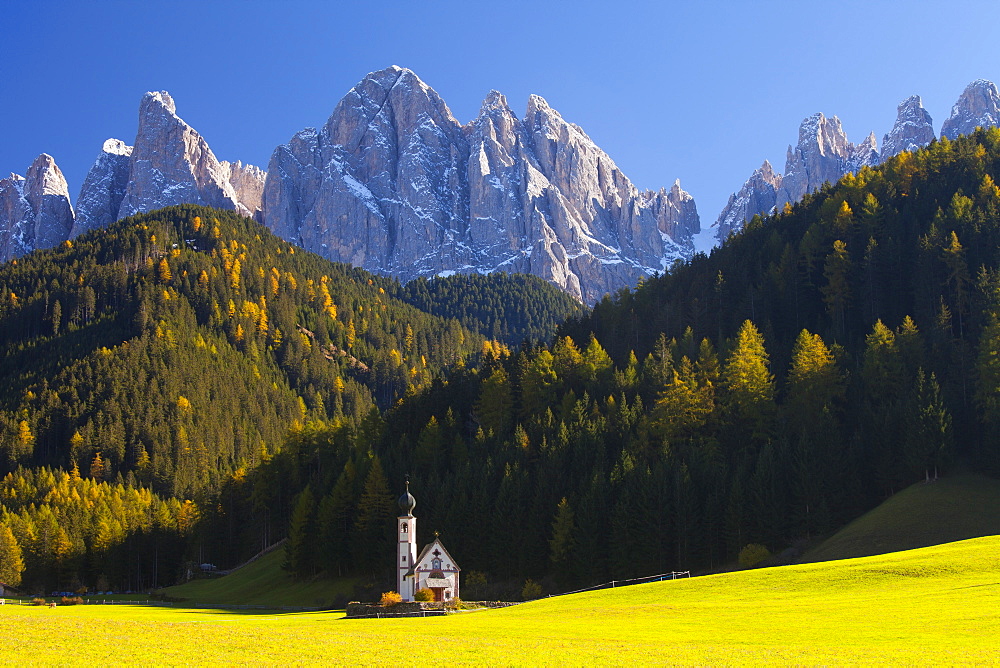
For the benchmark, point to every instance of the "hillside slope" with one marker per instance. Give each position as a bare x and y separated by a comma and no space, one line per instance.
182,344
950,509
263,582
928,606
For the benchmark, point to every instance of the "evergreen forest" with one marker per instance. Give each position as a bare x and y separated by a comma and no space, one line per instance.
241,391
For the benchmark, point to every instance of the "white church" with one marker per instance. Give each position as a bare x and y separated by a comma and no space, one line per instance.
434,569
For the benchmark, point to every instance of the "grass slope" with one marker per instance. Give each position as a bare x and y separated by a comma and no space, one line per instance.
933,605
262,582
950,509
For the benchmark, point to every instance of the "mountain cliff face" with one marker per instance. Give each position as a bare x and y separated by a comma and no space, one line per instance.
979,105
104,187
395,184
169,163
35,210
823,152
913,128
172,164
759,195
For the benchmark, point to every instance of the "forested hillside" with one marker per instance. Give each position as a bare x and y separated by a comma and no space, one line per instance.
176,351
182,344
821,360
510,308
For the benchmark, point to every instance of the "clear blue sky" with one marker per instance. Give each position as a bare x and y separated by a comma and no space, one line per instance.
701,91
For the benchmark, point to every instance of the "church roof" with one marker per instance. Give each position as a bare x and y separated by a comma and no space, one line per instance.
437,542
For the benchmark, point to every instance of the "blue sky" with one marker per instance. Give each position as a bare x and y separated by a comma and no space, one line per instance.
701,91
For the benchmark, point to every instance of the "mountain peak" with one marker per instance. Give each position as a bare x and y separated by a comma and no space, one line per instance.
116,147
913,128
495,101
158,99
34,211
977,106
47,176
537,103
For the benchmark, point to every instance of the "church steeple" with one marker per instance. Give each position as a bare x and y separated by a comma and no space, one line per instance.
406,553
406,502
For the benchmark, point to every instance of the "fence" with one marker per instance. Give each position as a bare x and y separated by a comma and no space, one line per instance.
673,575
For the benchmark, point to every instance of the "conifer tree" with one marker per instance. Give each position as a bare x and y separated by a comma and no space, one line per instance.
749,388
11,558
837,291
373,528
929,434
300,549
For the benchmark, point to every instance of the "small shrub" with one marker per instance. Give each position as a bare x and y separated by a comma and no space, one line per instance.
390,598
531,590
38,601
753,555
474,584
71,600
423,595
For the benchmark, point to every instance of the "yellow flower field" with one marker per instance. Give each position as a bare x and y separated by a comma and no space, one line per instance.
928,606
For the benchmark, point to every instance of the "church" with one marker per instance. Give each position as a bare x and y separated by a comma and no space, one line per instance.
433,569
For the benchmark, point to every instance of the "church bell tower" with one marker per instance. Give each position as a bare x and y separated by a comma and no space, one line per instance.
406,538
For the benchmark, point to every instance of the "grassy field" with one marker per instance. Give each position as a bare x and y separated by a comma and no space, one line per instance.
263,582
950,509
928,606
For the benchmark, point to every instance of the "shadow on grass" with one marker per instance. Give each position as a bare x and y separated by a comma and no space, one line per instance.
271,612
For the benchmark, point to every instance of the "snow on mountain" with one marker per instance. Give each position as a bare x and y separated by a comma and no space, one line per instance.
912,130
104,187
35,210
394,183
978,106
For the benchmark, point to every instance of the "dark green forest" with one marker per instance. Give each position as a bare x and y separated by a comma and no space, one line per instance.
175,351
820,360
511,308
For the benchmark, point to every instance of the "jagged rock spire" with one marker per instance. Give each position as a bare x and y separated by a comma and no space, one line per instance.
912,130
978,106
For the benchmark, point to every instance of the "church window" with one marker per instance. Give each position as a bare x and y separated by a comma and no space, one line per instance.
403,527
436,564
404,558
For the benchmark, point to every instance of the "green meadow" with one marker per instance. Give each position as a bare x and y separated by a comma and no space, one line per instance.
956,507
263,582
926,606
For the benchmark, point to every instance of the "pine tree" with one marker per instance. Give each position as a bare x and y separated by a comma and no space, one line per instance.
11,558
300,549
749,388
562,545
373,528
336,514
837,292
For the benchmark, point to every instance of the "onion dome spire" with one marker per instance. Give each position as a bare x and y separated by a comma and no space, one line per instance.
406,502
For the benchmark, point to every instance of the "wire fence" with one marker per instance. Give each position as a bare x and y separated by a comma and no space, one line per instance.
673,575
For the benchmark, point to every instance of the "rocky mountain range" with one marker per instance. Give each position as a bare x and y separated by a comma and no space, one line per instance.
395,184
823,152
392,182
